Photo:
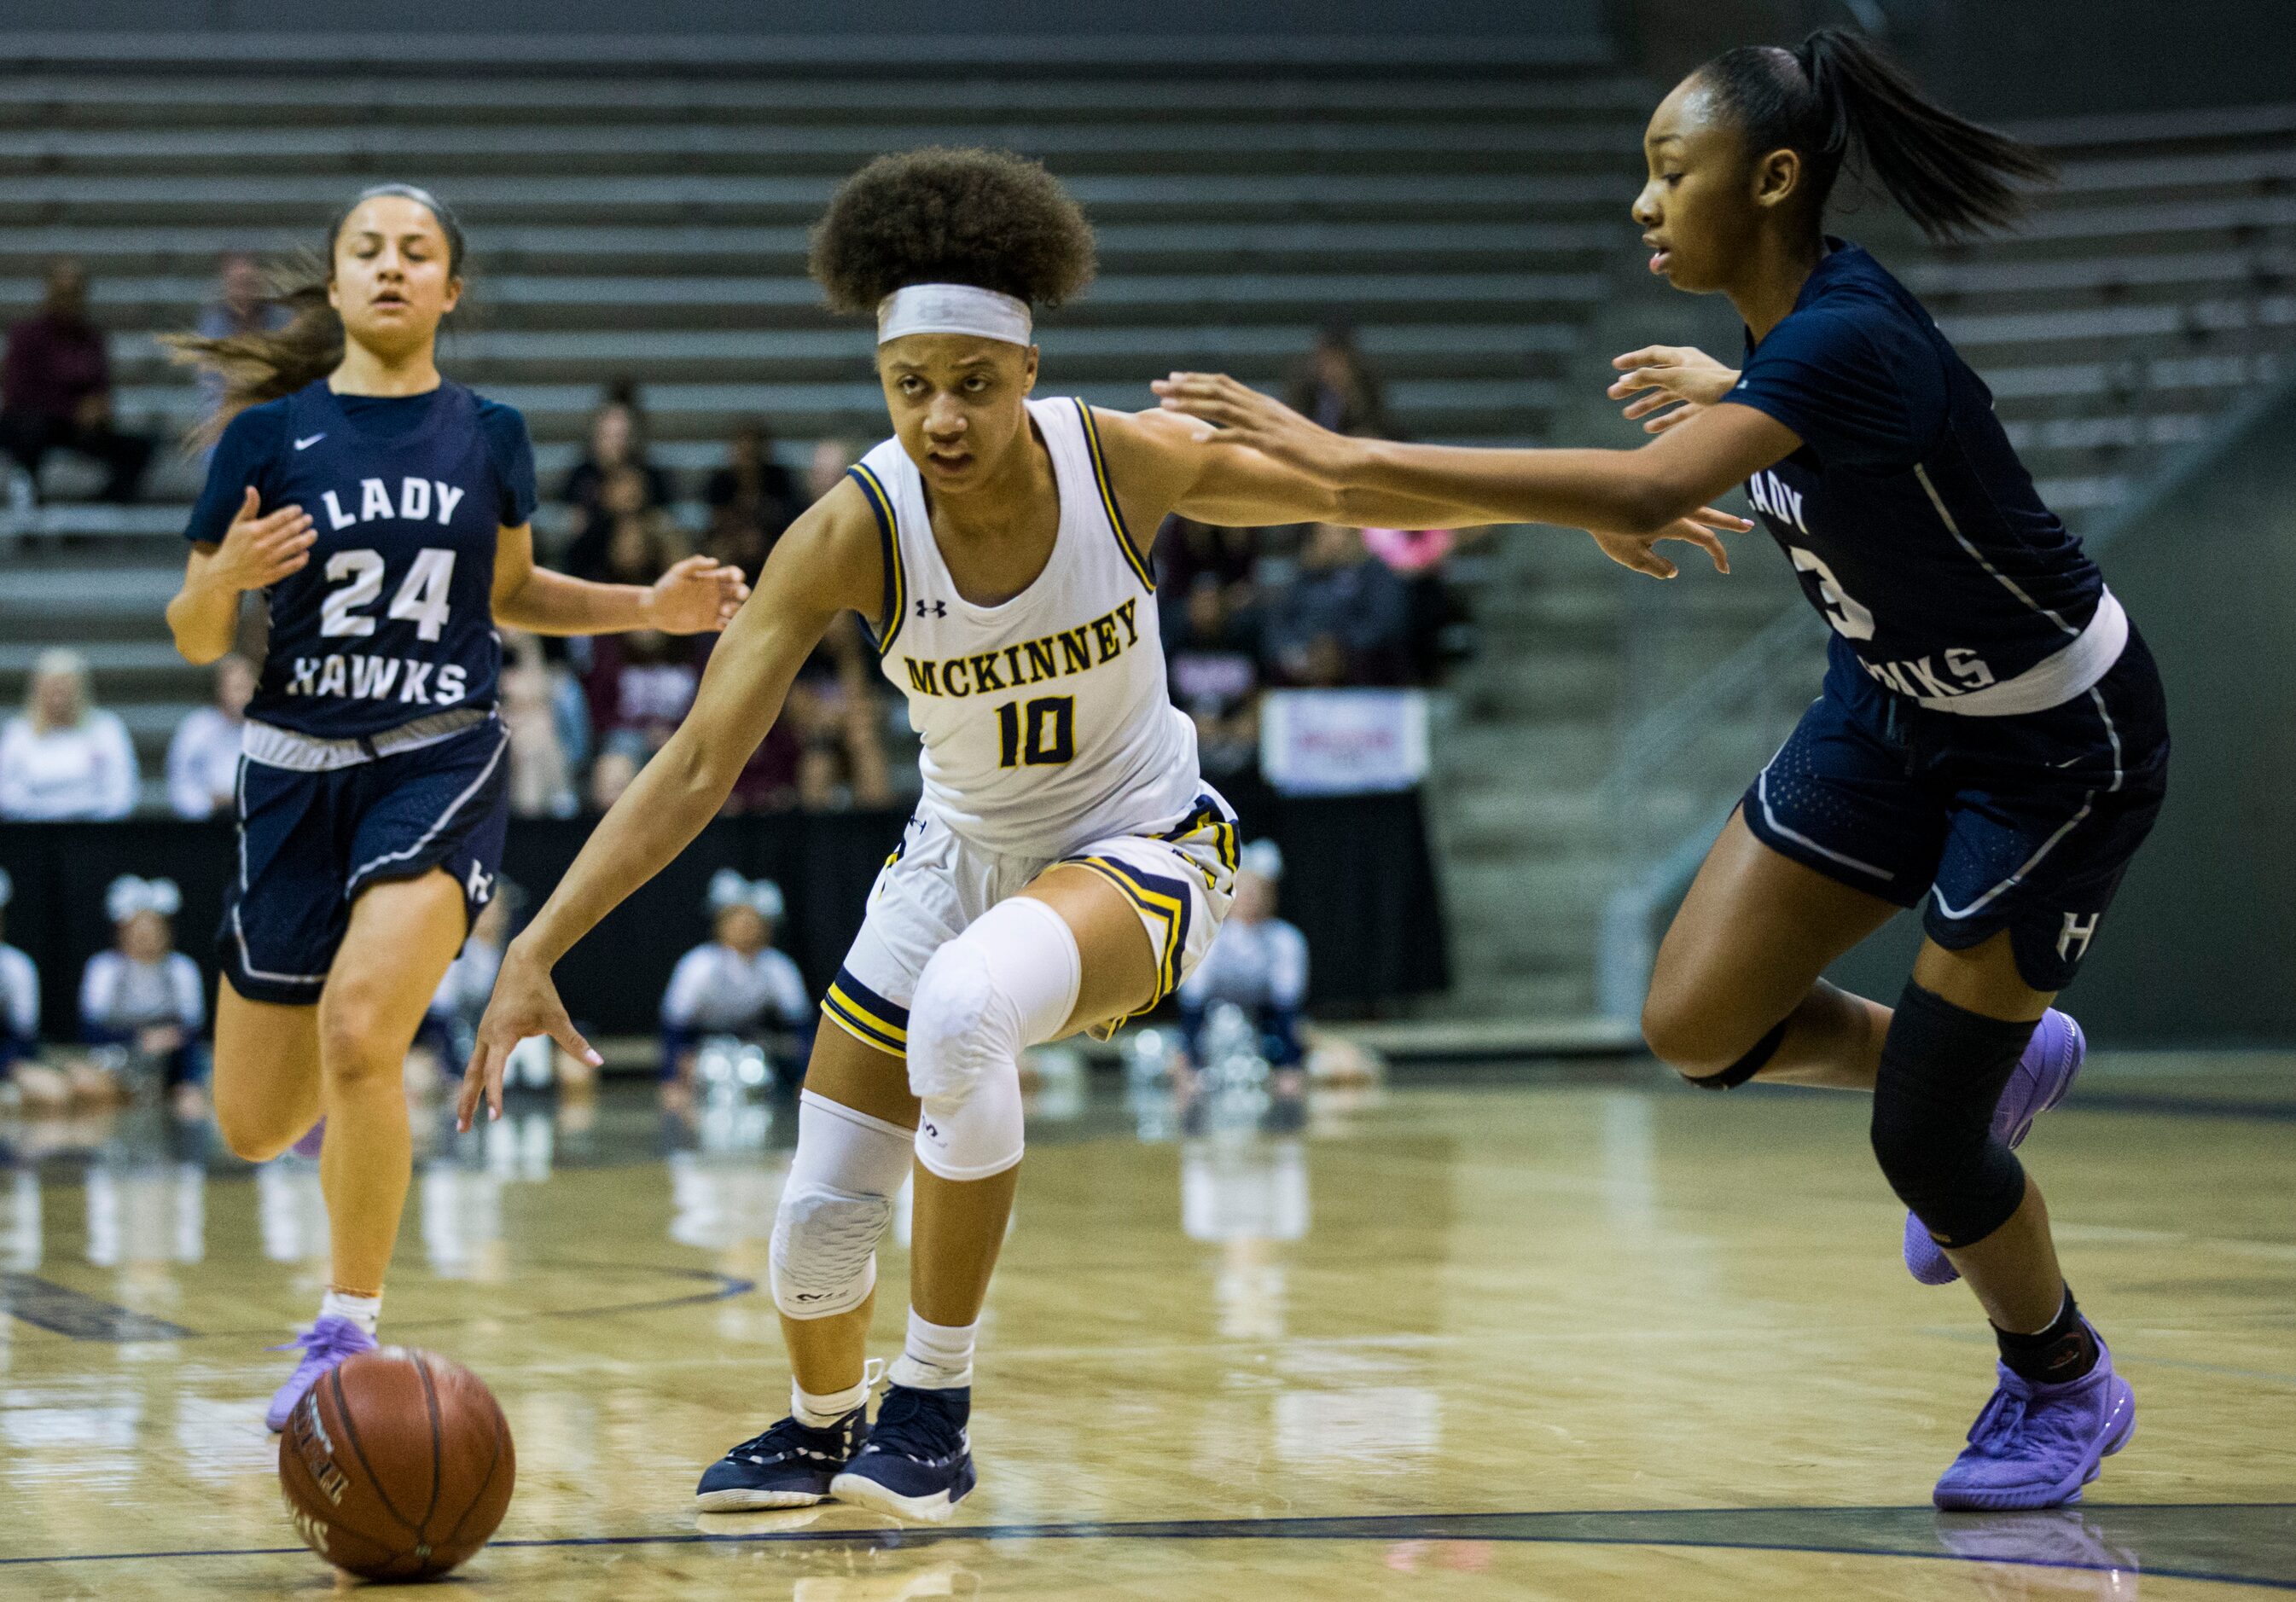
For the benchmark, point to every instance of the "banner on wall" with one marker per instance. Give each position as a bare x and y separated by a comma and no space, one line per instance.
1343,742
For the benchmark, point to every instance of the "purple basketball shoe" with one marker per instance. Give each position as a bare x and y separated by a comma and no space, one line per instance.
2036,1445
326,1344
2051,1059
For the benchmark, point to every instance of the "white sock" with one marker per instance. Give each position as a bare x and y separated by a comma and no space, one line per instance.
937,1357
819,1412
365,1312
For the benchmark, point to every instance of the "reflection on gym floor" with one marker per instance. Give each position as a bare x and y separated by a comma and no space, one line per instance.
1555,1331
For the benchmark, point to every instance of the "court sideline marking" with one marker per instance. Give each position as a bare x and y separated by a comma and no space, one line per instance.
1576,1529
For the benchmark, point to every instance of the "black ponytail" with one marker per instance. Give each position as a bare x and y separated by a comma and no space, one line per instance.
264,365
1835,90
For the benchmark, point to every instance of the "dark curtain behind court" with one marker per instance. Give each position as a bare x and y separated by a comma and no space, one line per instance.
1360,881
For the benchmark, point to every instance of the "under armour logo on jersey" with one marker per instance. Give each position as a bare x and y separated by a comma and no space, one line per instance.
304,445
2076,929
932,609
481,885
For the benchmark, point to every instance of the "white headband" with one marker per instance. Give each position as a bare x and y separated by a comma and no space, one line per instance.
952,308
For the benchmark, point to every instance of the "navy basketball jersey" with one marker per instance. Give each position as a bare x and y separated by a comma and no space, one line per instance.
1915,529
390,620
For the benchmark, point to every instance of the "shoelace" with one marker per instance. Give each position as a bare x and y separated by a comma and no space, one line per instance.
791,1432
337,1339
910,1425
786,1438
1997,1424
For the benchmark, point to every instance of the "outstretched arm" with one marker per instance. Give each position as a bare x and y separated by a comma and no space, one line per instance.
1267,459
826,563
1635,493
696,596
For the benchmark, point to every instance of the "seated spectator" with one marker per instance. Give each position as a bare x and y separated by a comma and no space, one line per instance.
752,487
640,685
616,442
144,994
203,756
548,724
739,542
831,459
1416,556
1344,619
55,392
1189,553
1337,389
837,715
19,993
736,984
620,501
62,758
1257,962
1215,678
243,306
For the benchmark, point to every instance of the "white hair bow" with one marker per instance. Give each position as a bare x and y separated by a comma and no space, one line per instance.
729,888
129,895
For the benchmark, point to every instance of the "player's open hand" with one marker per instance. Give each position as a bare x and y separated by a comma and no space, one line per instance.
1635,550
1246,417
525,1003
697,596
1669,384
261,548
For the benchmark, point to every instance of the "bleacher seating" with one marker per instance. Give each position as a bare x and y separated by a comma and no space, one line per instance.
645,217
645,222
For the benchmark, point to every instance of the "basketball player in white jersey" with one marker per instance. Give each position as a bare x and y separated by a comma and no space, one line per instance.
1067,864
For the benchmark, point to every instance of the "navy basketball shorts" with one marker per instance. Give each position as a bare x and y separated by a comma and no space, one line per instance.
309,842
2023,823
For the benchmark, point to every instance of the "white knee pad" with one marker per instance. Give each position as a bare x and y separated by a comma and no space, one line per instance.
1008,982
835,1208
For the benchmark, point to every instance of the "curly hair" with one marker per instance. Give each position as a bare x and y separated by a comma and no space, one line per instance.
989,218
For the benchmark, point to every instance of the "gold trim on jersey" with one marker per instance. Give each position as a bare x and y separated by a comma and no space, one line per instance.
866,1016
1108,499
897,589
1225,843
1164,900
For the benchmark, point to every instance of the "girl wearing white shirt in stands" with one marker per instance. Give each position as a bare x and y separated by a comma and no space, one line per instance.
1259,962
62,758
20,995
144,994
203,756
735,984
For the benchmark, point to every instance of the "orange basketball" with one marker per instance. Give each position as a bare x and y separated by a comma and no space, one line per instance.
397,1465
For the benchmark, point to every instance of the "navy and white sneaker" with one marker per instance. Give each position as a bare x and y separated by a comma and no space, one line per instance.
789,1466
918,1461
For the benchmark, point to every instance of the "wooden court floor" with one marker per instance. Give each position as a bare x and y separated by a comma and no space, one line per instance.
1564,1335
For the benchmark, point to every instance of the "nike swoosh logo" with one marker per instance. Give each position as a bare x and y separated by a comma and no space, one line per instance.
304,445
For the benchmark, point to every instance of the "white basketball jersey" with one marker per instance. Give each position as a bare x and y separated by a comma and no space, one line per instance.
1046,720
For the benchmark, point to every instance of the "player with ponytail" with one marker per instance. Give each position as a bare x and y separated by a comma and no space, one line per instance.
1991,744
381,512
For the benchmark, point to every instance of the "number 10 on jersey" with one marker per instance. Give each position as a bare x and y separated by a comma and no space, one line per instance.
1038,734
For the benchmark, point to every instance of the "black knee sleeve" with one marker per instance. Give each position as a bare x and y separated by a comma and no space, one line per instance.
1943,1070
1746,1066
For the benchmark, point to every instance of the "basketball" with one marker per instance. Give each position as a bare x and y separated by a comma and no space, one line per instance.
397,1465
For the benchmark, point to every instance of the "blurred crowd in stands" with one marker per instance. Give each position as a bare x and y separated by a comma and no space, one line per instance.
1244,610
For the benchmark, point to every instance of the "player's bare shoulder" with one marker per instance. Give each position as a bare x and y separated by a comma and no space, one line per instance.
1154,459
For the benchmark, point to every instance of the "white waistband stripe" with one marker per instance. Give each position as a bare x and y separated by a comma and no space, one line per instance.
2054,680
278,747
